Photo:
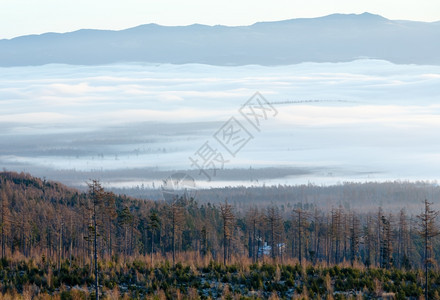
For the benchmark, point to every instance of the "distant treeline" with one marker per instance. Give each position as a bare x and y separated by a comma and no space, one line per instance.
350,195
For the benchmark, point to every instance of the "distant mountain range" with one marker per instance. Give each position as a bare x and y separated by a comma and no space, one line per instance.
333,38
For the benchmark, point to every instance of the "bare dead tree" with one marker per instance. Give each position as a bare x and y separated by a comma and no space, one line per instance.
354,237
300,218
228,220
427,230
273,220
97,195
253,218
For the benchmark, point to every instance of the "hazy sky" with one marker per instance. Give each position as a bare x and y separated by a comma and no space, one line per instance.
20,17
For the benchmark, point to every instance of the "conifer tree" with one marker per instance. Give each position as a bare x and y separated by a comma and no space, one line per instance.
386,243
153,225
4,221
176,215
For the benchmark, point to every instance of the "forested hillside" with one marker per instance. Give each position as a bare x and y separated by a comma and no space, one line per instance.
157,248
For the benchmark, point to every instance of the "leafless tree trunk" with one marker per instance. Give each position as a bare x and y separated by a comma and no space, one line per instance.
228,219
428,230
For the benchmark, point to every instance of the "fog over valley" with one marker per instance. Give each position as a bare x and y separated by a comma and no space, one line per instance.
135,124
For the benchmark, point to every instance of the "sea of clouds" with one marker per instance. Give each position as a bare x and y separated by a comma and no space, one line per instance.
365,120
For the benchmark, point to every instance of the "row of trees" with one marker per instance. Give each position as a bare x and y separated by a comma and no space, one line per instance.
351,195
40,218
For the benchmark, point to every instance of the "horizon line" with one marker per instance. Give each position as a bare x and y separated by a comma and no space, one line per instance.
215,25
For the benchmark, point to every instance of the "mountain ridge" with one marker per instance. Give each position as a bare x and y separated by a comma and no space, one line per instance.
332,38
370,15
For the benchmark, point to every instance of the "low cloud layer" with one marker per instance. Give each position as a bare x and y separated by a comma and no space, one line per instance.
371,118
